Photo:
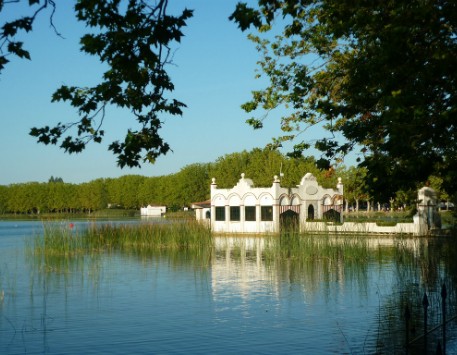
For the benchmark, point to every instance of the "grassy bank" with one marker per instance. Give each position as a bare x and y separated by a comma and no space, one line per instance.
106,213
448,218
109,213
379,217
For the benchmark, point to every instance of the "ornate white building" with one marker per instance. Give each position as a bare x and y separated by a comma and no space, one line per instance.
248,209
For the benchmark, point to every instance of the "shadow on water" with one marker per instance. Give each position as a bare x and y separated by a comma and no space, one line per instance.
425,291
423,282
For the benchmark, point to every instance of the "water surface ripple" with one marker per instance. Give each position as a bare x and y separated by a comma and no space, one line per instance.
240,302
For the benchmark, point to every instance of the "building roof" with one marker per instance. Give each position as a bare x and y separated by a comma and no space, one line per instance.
203,204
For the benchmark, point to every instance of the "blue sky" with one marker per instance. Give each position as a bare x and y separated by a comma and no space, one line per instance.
214,75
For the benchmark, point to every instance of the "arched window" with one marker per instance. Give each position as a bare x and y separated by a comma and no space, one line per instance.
310,212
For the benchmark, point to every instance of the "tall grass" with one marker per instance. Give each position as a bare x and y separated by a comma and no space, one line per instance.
313,247
98,238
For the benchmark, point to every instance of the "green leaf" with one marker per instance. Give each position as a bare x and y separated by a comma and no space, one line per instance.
245,16
16,48
255,123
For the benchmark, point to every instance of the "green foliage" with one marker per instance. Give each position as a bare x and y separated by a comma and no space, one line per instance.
378,73
55,179
10,29
193,184
3,199
308,247
190,236
380,218
190,184
261,165
354,184
406,198
135,41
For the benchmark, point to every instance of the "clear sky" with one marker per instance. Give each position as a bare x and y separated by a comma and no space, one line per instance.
214,75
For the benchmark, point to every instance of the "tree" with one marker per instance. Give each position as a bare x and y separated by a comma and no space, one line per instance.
3,198
354,186
59,196
436,183
92,195
378,73
148,191
129,186
228,169
293,170
19,196
53,179
37,197
261,165
193,183
135,40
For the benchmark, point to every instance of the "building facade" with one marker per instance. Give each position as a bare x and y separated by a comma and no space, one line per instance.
249,209
153,211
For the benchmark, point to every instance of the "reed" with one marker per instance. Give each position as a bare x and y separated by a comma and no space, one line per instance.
57,240
99,238
311,246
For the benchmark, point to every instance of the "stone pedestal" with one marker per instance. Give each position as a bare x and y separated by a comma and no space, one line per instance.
428,216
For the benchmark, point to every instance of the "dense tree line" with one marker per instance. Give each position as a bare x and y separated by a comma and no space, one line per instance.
190,184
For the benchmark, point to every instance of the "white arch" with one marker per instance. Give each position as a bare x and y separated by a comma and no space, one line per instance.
295,200
284,200
327,200
249,200
266,199
234,200
219,200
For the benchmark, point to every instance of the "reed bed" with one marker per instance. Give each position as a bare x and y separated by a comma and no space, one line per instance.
98,238
57,240
314,247
184,236
190,236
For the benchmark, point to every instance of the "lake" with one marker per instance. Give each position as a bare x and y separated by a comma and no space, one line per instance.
347,297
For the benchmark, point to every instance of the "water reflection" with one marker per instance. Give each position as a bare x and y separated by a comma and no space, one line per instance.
263,295
388,273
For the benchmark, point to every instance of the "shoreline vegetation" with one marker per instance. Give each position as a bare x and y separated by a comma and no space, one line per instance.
192,238
100,214
125,195
63,240
381,218
185,235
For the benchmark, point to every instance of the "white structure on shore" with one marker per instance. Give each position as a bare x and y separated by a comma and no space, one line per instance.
248,209
310,208
202,211
153,211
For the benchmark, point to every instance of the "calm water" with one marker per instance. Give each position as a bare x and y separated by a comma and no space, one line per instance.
236,302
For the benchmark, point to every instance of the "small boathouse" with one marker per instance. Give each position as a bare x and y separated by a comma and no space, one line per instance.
249,209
